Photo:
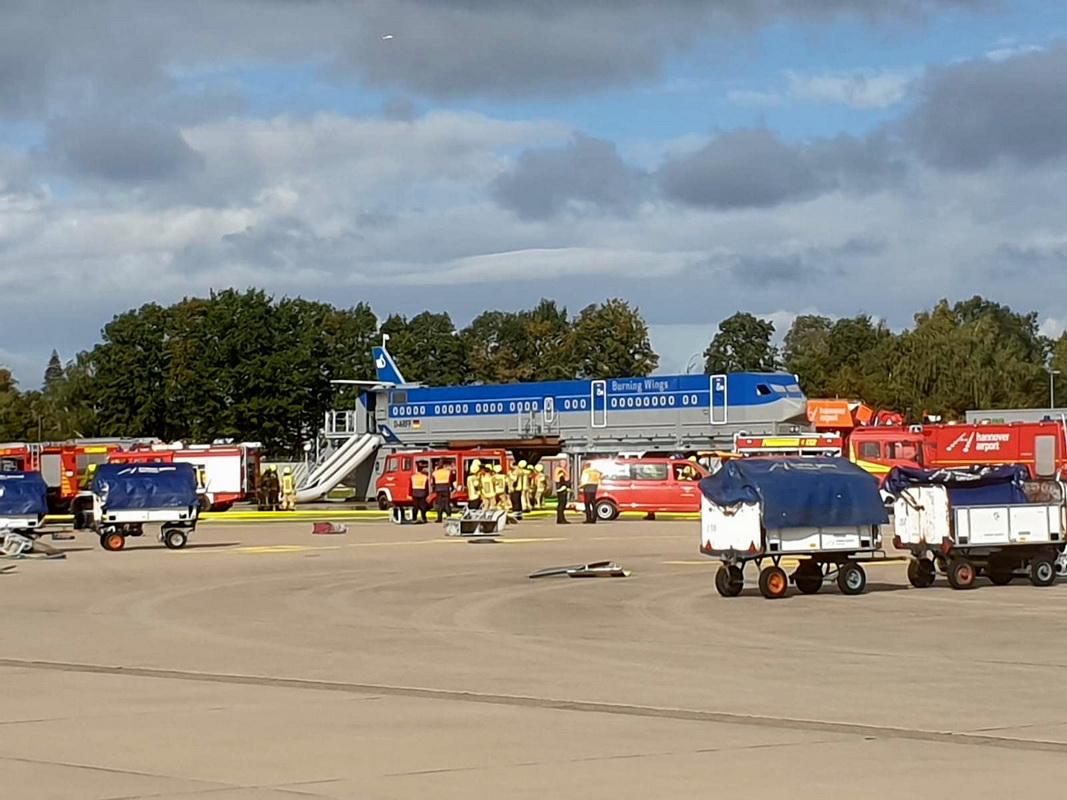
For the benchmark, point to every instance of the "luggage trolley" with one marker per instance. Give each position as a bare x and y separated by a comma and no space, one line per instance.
23,505
963,521
126,497
826,512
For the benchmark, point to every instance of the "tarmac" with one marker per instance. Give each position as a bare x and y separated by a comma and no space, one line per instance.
392,662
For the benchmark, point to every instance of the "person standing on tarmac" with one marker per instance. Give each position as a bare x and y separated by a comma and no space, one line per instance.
590,483
500,489
563,493
420,494
488,487
474,487
271,488
539,483
288,490
443,481
516,481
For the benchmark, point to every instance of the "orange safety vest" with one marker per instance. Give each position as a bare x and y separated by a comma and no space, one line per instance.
442,477
419,481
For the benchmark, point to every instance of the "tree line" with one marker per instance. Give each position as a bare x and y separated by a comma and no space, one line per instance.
247,366
956,356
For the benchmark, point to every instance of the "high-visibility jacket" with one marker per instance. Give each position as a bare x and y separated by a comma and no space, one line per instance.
488,485
474,486
591,477
442,478
563,479
419,482
288,484
500,483
516,480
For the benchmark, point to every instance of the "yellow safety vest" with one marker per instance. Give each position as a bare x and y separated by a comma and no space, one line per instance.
288,484
442,477
591,476
500,483
474,486
419,481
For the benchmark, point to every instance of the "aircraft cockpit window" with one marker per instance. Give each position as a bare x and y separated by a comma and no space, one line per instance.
763,389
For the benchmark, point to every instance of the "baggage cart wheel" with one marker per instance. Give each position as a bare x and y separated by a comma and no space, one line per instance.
112,540
808,577
773,583
851,579
921,573
961,574
729,580
175,538
1042,571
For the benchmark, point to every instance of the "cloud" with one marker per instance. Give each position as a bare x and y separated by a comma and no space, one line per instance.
125,151
976,113
864,89
585,175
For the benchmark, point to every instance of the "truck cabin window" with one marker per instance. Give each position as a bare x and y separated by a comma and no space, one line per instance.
870,450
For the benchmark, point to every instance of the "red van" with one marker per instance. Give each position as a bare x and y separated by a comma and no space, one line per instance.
649,485
393,488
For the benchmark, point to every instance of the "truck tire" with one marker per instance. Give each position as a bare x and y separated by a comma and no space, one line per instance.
112,540
851,579
921,573
606,510
175,538
729,581
1042,571
383,502
961,574
773,583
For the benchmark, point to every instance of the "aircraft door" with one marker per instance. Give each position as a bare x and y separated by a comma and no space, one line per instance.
599,404
719,402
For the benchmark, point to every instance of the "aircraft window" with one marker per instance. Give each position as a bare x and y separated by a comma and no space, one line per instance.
870,450
779,389
399,398
763,389
650,472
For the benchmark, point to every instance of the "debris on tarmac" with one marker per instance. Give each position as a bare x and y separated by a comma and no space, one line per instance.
596,569
16,547
328,527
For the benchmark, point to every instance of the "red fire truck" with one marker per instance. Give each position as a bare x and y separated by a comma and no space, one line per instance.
226,472
393,487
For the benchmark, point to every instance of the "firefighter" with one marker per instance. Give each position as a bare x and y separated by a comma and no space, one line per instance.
500,488
420,494
474,486
288,486
539,486
563,491
689,472
517,488
271,487
488,487
443,482
590,482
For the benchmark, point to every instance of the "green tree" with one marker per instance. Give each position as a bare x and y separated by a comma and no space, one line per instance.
428,349
806,353
14,412
54,371
611,339
531,345
743,343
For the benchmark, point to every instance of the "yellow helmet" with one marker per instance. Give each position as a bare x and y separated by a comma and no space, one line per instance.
497,468
475,469
522,464
286,471
539,467
693,458
476,462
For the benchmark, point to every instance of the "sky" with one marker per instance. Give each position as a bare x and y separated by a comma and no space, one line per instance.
694,157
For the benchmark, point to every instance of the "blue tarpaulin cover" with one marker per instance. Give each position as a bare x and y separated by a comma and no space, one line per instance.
800,492
22,493
129,486
975,485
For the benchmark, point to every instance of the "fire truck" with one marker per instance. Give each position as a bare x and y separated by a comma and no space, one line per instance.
226,473
809,444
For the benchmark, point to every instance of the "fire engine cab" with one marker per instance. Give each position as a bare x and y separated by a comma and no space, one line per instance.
817,444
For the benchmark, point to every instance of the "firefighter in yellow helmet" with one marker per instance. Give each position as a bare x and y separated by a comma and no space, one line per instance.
500,488
539,486
474,486
288,485
488,487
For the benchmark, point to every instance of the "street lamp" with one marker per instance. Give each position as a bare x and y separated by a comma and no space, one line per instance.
689,365
1052,373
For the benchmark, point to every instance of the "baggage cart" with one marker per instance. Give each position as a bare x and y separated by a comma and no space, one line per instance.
826,513
23,502
966,521
126,497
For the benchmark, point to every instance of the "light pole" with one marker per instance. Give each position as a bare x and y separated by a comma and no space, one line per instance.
1052,373
689,365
